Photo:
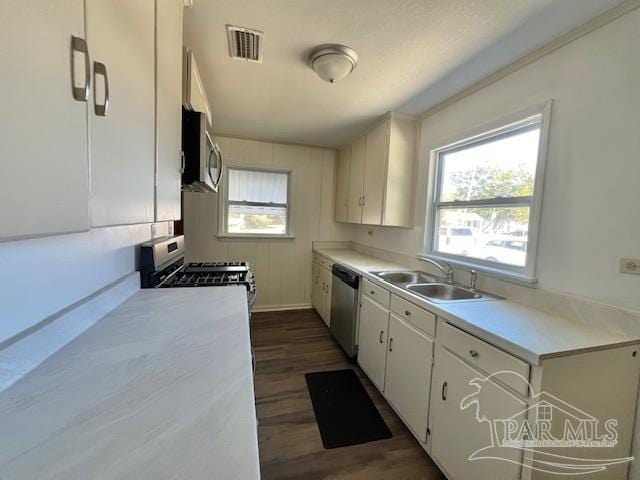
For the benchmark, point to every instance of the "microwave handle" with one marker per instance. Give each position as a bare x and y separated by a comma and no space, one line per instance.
220,166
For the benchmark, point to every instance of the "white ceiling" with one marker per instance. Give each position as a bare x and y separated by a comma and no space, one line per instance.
413,55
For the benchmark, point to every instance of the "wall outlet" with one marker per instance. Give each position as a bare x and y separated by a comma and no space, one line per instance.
630,265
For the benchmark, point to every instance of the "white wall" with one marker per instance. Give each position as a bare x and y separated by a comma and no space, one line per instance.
42,276
591,204
282,266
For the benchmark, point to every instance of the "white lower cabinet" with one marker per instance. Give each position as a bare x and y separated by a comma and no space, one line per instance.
372,340
317,292
448,390
321,291
457,433
408,374
325,278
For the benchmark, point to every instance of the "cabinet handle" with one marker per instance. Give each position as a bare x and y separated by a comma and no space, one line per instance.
373,292
444,391
407,313
220,163
363,200
100,69
79,45
391,344
346,202
381,333
474,353
182,162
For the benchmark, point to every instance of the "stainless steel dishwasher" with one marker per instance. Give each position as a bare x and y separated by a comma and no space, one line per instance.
344,307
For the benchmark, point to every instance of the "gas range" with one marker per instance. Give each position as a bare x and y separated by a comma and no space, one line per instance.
162,266
212,277
216,266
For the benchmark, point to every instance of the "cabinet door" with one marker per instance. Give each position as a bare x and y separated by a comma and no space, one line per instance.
372,340
327,277
356,179
375,174
408,374
44,186
456,433
197,96
121,36
342,183
317,292
168,108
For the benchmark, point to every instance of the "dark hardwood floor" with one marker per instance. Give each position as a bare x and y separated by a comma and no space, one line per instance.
287,345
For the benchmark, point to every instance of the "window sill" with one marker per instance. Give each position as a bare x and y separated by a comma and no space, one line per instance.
254,236
495,272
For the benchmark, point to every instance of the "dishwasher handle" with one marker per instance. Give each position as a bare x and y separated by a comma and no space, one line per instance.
349,277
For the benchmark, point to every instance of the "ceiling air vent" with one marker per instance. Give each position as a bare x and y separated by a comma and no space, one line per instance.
245,44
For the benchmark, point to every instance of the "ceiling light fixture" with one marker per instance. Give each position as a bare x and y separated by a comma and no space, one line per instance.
333,62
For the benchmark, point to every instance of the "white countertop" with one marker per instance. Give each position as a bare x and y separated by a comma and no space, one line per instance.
161,388
527,333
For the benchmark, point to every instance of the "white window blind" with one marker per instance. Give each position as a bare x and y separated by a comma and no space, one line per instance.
257,202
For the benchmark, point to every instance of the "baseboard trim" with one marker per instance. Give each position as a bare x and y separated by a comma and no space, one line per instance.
278,308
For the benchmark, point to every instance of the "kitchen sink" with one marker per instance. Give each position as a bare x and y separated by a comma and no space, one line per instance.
404,278
431,287
443,292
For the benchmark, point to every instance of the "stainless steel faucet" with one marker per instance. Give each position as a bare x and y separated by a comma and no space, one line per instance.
473,279
447,269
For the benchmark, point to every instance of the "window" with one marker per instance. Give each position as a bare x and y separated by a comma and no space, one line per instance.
486,197
257,202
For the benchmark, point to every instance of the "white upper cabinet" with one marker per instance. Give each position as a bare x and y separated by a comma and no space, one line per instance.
374,174
44,178
194,94
356,175
168,107
342,183
381,175
121,37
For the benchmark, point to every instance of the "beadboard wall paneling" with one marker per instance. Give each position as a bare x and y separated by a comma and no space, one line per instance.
282,266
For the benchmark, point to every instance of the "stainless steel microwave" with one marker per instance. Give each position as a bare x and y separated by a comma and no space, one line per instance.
203,163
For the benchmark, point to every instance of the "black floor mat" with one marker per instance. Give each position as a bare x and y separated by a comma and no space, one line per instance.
344,412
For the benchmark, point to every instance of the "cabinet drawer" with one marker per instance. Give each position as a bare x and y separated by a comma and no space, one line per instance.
419,317
325,262
379,294
485,357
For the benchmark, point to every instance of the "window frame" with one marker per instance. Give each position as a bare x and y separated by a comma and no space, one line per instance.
223,211
536,114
